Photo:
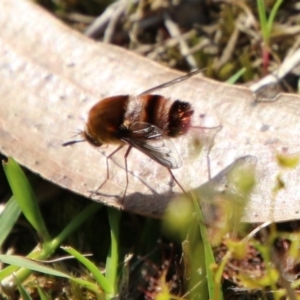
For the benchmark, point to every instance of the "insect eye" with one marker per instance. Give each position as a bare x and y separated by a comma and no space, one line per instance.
92,141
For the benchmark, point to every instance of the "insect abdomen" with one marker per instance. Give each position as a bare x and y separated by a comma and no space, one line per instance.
174,118
179,119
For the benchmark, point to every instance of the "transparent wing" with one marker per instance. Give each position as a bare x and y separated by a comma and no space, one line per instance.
171,82
149,139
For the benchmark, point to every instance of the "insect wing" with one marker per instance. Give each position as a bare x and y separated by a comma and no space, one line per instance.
149,139
143,130
171,82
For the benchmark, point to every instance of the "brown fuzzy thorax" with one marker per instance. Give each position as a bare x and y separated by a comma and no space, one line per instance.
105,119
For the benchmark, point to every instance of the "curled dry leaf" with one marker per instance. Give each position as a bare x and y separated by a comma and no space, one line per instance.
50,78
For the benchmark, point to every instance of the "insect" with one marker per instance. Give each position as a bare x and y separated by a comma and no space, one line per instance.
145,122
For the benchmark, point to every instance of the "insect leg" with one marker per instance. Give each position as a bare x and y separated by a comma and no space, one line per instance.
174,178
107,168
217,128
127,181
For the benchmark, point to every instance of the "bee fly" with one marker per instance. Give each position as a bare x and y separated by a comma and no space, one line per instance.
145,122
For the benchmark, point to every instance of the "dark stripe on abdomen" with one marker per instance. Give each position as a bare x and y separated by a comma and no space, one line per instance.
152,108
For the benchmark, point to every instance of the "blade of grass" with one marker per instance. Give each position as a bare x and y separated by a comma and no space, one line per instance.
235,77
150,235
263,20
25,197
8,218
273,15
35,266
214,288
24,294
42,294
75,223
49,248
99,277
267,24
112,261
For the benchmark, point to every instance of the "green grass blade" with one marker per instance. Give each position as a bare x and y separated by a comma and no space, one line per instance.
49,248
263,20
8,218
25,197
235,77
7,272
273,15
99,277
42,294
30,264
112,261
214,289
24,294
75,223
26,263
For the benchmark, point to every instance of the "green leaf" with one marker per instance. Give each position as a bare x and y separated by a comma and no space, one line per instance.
273,15
49,248
263,20
267,24
214,288
112,261
288,161
99,277
25,197
43,295
235,77
24,294
35,266
8,218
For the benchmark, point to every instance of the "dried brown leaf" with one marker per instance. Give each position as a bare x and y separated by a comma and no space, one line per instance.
51,76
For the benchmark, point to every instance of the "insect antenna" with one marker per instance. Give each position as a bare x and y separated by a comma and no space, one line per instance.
79,132
72,142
